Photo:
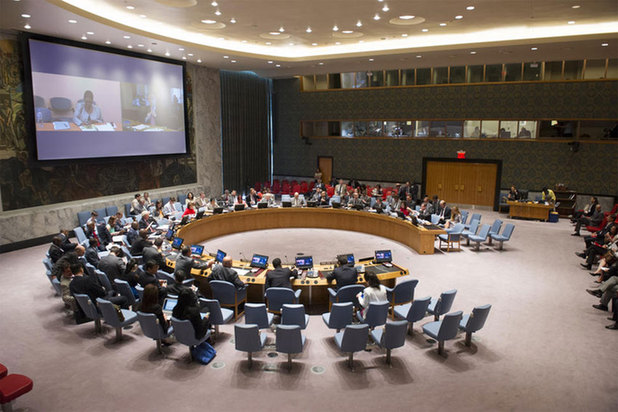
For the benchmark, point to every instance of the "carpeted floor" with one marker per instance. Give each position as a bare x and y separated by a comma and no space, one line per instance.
543,347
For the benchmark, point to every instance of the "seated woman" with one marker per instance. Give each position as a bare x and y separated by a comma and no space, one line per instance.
374,292
158,210
86,111
190,210
513,194
188,308
377,191
455,218
190,198
150,304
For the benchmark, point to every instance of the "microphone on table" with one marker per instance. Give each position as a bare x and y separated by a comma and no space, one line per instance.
244,259
287,261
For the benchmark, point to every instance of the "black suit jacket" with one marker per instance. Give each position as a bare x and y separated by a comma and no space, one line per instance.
92,256
447,212
280,278
85,285
113,266
55,252
344,275
137,248
185,264
151,253
220,272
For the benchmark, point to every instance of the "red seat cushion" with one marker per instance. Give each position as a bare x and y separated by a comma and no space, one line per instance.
13,386
3,371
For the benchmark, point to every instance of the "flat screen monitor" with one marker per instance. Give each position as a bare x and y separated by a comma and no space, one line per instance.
217,211
177,243
304,262
197,250
262,205
86,101
286,203
259,261
170,234
199,215
383,256
349,257
169,304
336,205
239,207
312,203
220,255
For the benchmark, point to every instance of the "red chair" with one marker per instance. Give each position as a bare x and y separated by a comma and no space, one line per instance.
285,188
304,188
615,208
12,387
296,188
285,182
258,186
597,228
293,183
385,193
311,186
3,371
266,185
275,188
330,191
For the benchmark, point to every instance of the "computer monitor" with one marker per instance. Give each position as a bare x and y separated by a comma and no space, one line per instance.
259,261
286,203
185,220
199,215
262,205
220,255
358,207
239,207
177,243
170,234
169,304
349,257
336,205
383,256
312,203
217,210
197,250
304,262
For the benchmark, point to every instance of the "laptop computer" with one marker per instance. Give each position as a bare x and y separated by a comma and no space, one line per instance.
197,250
312,203
336,205
199,215
168,306
217,210
177,243
220,255
349,257
239,207
304,262
262,205
259,261
383,256
286,204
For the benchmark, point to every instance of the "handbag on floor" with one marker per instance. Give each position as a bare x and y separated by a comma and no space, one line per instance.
203,353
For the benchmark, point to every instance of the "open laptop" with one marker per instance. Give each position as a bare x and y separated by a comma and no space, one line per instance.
197,251
349,257
312,203
262,205
286,204
304,262
217,211
177,243
383,256
220,255
199,215
169,235
168,306
259,261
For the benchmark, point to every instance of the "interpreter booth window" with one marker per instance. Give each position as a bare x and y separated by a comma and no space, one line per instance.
598,129
334,128
489,129
512,72
573,69
347,129
527,129
320,128
334,81
422,128
472,128
493,73
508,129
612,68
399,129
321,81
458,74
440,75
407,77
308,83
532,71
361,80
557,129
454,128
437,129
360,129
391,78
423,76
376,78
553,71
347,80
374,128
475,74
595,69
307,129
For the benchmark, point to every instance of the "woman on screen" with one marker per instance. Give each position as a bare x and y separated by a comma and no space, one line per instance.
86,111
151,116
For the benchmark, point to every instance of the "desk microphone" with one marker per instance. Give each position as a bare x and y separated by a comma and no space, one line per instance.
244,259
287,261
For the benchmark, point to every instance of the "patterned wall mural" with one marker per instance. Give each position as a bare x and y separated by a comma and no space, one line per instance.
25,184
526,164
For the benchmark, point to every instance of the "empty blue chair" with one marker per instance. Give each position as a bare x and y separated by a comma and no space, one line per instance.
392,336
185,334
413,312
181,198
248,338
178,206
444,329
289,340
402,293
443,304
451,237
294,315
473,227
124,289
101,214
344,294
110,315
62,109
505,236
352,339
127,209
111,210
57,288
495,229
277,297
152,329
475,216
474,322
481,237
165,200
80,235
340,315
435,219
218,316
256,314
464,216
228,296
375,314
89,310
82,217
104,281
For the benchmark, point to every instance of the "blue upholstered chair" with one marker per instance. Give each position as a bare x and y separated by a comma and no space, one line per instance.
168,277
124,289
294,315
475,216
505,236
140,291
101,214
435,219
111,210
481,237
89,309
277,297
286,198
336,199
473,227
494,229
413,312
104,281
444,329
402,293
80,235
289,340
352,339
111,316
392,336
375,314
56,285
340,315
48,264
61,108
452,236
503,200
228,296
152,329
443,304
464,216
127,209
344,294
181,198
256,314
474,322
218,315
248,338
185,334
82,217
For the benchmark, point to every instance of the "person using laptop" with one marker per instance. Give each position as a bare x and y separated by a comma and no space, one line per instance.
149,277
150,304
148,222
345,274
169,208
356,202
189,309
185,263
155,253
225,272
280,277
137,247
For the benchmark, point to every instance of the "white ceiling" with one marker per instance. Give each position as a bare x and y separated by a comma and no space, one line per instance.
496,31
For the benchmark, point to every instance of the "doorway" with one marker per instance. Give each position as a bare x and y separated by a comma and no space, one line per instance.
325,164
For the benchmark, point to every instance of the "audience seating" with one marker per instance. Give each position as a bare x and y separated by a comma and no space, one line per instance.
149,324
124,289
110,315
140,291
228,296
289,340
12,386
464,216
256,314
248,338
451,237
344,294
475,216
57,288
111,210
481,237
127,209
413,312
101,212
392,336
82,217
603,223
443,330
376,314
218,315
352,339
3,371
294,314
80,235
104,281
48,264
495,229
440,306
89,310
474,322
474,226
185,334
402,293
505,236
277,297
340,316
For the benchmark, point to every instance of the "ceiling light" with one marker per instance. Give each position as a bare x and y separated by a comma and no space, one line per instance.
126,37
27,26
226,57
199,60
314,44
418,56
217,13
347,31
167,53
181,49
184,57
406,17
84,37
534,48
577,6
361,41
233,20
425,30
321,63
281,29
90,33
270,62
458,17
335,28
371,60
404,35
25,16
337,43
108,42
570,22
268,43
131,7
208,21
376,17
604,44
277,65
129,47
291,44
385,8
143,16
140,45
244,41
442,24
149,50
72,21
472,52
380,1
308,29
275,33
214,4
190,54
233,61
470,8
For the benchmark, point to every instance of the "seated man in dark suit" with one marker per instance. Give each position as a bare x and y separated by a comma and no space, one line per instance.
85,285
149,277
55,250
92,253
178,286
133,233
185,263
280,277
225,272
154,253
147,222
443,211
112,265
345,274
137,247
67,245
594,220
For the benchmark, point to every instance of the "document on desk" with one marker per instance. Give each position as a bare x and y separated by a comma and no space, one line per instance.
140,127
104,127
242,272
61,125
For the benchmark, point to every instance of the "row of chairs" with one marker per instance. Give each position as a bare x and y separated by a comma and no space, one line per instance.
471,232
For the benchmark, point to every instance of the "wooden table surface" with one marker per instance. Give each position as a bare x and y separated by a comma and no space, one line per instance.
529,210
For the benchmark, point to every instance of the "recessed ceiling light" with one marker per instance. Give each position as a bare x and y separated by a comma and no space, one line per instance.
143,16
371,60
108,42
472,52
314,44
425,30
534,48
126,37
470,8
244,41
221,38
281,29
321,63
442,24
140,45
233,61
167,53
233,20
181,49
129,47
291,44
189,54
308,29
380,1
418,56
347,31
217,13
208,21
404,35
604,44
406,17
376,17
184,57
270,62
72,21
84,37
335,28
149,50
277,65
226,57
199,60
27,26
275,33
214,4
361,41
459,17
90,33
337,43
25,16
570,22
131,7
577,6
385,8
268,43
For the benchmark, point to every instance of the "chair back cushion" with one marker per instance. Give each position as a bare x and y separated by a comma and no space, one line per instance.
341,315
348,293
478,318
403,292
293,314
149,325
247,338
418,310
355,338
255,314
394,334
289,339
377,313
449,326
223,291
184,332
277,297
446,301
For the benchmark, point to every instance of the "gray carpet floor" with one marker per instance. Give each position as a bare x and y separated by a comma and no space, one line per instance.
543,347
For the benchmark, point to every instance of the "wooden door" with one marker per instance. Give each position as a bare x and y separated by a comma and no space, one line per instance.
434,184
325,164
467,181
485,186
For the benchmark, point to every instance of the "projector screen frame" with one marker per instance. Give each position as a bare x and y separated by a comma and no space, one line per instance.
29,109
